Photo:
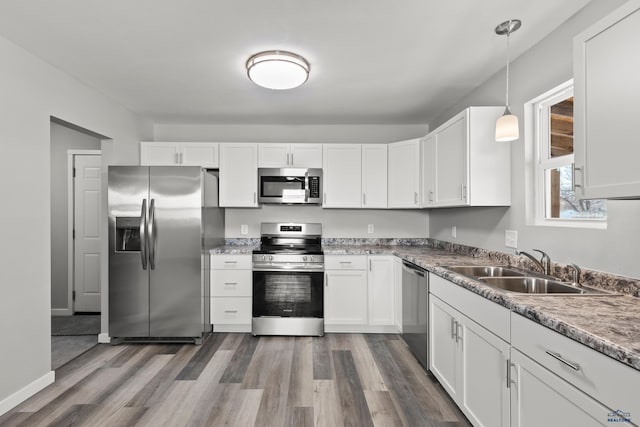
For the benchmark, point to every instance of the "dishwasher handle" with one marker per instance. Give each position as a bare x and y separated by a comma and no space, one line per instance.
414,269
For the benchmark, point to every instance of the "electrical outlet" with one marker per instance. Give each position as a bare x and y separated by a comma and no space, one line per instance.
244,229
454,231
511,238
369,228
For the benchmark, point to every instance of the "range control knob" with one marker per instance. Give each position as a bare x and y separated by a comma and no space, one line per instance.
304,258
270,257
264,257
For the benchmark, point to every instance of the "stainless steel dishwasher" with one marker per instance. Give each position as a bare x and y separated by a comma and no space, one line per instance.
415,311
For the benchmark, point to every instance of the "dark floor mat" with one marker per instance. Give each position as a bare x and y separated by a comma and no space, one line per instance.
86,324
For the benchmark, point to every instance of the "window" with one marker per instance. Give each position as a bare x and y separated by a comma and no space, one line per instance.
555,202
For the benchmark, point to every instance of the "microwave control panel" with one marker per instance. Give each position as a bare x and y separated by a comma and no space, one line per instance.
314,186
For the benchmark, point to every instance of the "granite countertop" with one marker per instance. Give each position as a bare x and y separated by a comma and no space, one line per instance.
613,331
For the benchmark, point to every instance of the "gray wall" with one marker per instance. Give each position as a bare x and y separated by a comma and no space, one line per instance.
62,139
32,92
541,68
335,222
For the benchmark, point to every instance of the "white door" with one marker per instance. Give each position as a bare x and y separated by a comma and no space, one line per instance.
381,290
404,174
374,175
342,175
86,225
451,156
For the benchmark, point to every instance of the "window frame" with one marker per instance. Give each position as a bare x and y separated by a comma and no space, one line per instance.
537,125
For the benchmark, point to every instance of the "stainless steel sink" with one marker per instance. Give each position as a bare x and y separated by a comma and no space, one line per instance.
484,270
534,285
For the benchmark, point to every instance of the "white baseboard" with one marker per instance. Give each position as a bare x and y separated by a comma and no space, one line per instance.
104,338
61,312
26,392
361,329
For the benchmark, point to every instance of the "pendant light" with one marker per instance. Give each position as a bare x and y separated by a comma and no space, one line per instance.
277,69
507,125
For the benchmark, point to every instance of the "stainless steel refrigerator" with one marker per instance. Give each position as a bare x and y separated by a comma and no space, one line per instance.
162,222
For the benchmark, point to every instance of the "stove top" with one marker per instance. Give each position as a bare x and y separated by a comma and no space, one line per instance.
290,238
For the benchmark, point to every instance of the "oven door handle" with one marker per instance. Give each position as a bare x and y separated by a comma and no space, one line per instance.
292,268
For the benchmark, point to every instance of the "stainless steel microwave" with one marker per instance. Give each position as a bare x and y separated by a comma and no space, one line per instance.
290,186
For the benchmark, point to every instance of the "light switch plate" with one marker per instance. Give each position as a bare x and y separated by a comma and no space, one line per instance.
369,228
454,231
511,238
244,229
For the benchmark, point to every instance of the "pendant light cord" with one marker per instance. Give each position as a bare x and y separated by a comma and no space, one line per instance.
507,91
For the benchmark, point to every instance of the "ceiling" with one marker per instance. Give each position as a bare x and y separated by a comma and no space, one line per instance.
372,61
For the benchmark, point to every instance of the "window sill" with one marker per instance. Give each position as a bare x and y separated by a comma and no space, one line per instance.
595,224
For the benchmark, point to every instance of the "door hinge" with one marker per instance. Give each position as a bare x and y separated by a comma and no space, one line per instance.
73,295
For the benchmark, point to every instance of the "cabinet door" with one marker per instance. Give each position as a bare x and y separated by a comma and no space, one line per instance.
606,91
404,174
374,175
540,398
484,396
442,344
429,168
452,157
342,175
345,297
381,290
306,155
203,154
397,272
273,155
238,175
159,154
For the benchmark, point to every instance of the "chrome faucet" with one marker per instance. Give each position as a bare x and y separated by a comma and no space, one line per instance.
575,276
544,264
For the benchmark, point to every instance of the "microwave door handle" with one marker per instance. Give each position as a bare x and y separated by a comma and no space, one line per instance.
306,186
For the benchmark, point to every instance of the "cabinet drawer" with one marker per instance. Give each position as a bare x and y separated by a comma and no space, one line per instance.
345,262
490,315
231,283
231,310
607,380
229,262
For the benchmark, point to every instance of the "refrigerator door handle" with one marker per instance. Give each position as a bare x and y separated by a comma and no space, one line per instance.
152,234
143,234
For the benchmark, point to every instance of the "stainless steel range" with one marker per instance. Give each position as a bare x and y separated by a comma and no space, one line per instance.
288,278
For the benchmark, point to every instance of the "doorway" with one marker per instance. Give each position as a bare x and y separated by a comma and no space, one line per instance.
75,262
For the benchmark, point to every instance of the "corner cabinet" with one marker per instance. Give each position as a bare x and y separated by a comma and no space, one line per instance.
203,154
462,163
404,174
606,88
239,175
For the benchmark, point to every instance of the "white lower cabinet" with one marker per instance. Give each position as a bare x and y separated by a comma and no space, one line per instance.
471,364
231,293
541,398
359,293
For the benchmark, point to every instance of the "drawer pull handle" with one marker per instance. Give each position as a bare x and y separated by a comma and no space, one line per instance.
231,311
231,262
345,262
557,356
231,284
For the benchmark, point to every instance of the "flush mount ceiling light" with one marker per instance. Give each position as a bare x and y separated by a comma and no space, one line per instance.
277,69
507,125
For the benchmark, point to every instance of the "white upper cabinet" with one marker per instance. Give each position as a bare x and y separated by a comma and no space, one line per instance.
463,165
374,175
203,154
606,91
404,174
289,155
428,166
342,176
238,174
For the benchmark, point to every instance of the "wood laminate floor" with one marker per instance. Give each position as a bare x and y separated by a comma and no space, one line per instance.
241,380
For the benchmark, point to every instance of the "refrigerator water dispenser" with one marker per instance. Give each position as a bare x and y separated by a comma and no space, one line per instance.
127,234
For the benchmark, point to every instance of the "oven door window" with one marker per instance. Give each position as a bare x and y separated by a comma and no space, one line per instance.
275,186
288,294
